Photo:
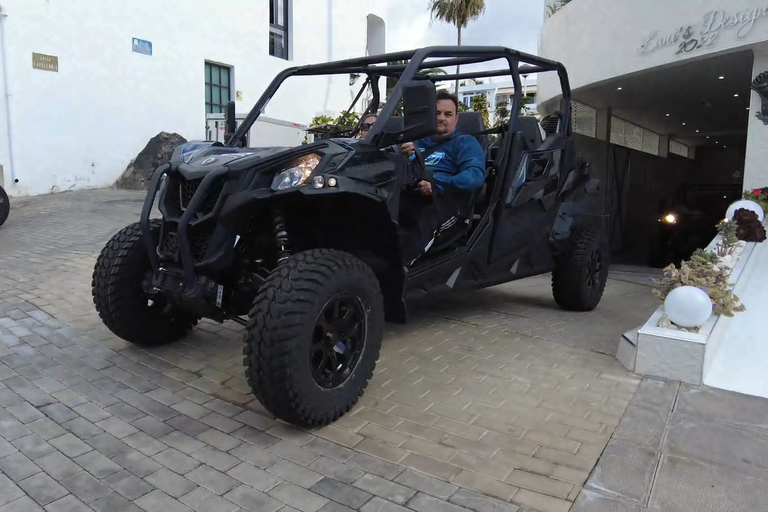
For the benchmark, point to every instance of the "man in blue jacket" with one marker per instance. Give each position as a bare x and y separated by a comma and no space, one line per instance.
457,165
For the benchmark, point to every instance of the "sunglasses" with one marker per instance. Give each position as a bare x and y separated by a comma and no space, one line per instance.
366,126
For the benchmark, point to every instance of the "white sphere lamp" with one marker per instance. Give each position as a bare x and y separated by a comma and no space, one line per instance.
688,307
747,205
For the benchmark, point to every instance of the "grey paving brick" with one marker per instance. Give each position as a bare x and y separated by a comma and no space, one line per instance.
255,437
70,445
171,483
336,470
69,398
31,373
127,485
202,500
329,450
164,396
24,412
385,489
191,409
626,471
91,412
187,425
59,413
152,426
194,395
299,498
224,408
218,439
213,480
341,492
158,501
254,455
377,504
117,427
146,404
376,466
113,503
46,428
293,452
18,467
85,487
12,429
426,484
144,443
49,385
182,442
125,412
33,446
82,428
425,503
480,503
97,464
24,504
253,476
255,420
216,458
590,501
221,422
137,463
332,506
68,504
9,491
58,466
175,460
253,500
294,473
42,488
29,392
8,398
6,448
107,444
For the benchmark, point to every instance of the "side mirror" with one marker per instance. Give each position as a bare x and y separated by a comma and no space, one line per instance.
419,113
230,123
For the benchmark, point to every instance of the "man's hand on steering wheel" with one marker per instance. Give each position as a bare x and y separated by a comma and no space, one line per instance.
409,149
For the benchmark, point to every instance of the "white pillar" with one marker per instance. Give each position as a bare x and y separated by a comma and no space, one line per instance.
756,161
603,124
664,146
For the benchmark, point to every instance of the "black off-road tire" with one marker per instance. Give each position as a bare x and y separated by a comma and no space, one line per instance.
5,206
576,284
117,288
283,323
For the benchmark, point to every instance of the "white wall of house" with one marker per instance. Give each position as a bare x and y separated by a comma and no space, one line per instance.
598,40
80,126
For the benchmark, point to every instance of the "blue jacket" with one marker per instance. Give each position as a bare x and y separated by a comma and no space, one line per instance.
459,162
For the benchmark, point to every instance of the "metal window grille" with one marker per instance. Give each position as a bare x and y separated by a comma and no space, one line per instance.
630,135
278,28
584,119
678,148
217,88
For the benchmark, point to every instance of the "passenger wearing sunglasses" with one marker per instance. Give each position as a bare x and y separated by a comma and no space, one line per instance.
368,122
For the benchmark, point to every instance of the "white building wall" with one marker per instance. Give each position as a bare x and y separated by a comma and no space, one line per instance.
79,127
598,40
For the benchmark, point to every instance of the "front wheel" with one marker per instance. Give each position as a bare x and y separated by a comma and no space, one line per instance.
314,336
121,296
579,279
5,206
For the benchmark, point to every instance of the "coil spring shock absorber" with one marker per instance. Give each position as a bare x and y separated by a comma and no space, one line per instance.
281,236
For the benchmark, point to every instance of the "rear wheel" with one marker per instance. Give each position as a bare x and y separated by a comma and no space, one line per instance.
314,336
579,279
5,206
120,293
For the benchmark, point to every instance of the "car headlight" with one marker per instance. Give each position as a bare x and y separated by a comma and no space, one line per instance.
670,218
297,172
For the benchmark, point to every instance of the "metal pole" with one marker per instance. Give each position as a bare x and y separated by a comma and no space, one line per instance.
3,58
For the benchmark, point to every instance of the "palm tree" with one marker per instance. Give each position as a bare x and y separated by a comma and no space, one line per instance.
459,13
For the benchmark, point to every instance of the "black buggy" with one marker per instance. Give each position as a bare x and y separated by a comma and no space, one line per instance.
301,245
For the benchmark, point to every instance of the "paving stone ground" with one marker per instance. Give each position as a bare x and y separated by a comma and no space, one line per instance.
497,402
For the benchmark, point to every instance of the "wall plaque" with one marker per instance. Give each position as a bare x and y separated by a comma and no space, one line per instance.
45,62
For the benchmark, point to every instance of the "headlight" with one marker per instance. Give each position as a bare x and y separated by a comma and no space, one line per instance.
297,172
670,218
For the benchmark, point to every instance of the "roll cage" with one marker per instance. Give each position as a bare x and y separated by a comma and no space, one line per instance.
380,66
